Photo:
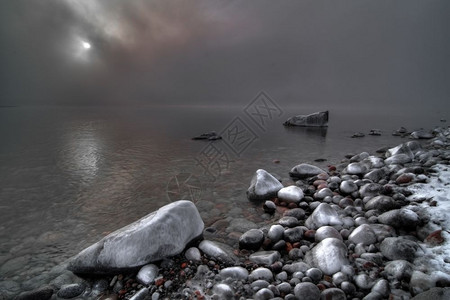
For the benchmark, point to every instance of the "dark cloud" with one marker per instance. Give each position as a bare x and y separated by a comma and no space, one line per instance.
217,52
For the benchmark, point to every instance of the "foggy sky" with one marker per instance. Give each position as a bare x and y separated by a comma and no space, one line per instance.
224,52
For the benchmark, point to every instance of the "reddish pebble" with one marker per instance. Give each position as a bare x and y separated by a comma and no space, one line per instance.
331,168
318,182
323,176
122,292
159,281
292,205
327,278
404,178
284,204
322,186
184,265
296,245
310,234
288,246
321,286
434,238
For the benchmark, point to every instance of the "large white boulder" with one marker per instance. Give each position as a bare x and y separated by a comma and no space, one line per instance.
160,234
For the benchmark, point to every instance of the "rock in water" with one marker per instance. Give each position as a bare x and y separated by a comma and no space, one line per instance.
305,170
291,194
263,186
158,235
318,119
329,256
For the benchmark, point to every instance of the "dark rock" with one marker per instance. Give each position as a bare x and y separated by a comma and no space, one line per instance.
251,240
333,294
363,234
73,290
395,248
211,136
297,213
318,119
307,291
42,293
435,238
293,234
400,218
288,222
434,293
381,203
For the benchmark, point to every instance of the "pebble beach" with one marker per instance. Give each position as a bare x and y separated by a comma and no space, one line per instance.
373,226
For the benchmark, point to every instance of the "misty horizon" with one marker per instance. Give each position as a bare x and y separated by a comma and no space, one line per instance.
203,53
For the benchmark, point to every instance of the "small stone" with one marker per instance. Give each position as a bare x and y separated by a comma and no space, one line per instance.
224,291
147,274
263,294
381,203
305,170
73,290
315,274
251,240
261,273
329,256
307,291
269,207
400,218
435,238
363,282
398,248
348,187
333,293
237,273
288,222
363,234
293,234
326,232
263,186
193,254
141,294
324,214
265,257
275,233
291,194
42,293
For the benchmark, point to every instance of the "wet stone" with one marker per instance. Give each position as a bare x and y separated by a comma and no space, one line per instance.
400,218
293,234
68,291
288,222
263,294
275,233
43,293
291,193
381,203
193,254
238,273
307,291
297,213
261,273
324,214
263,186
395,248
251,240
329,256
305,170
333,293
327,232
147,274
363,234
265,257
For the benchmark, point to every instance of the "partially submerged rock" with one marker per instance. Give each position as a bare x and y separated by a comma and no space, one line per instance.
263,186
160,234
210,136
318,119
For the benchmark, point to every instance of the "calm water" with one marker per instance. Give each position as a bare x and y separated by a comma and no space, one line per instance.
70,175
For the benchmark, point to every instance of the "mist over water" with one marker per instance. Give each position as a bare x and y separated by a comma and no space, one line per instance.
70,175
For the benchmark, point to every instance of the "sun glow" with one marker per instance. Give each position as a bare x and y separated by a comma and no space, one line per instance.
86,45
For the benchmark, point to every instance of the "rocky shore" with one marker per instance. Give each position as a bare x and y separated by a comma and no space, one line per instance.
371,227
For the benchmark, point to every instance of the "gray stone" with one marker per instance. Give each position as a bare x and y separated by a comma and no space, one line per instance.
275,233
317,119
237,273
395,248
297,213
293,234
315,274
307,291
370,190
381,287
333,294
329,256
147,274
263,186
42,293
399,270
348,187
326,232
291,194
363,281
219,251
251,239
323,193
141,294
284,288
261,273
296,267
73,290
323,215
421,134
363,234
420,282
263,294
193,254
397,159
435,293
305,170
265,257
160,234
288,221
400,218
355,169
382,231
224,291
381,203
375,175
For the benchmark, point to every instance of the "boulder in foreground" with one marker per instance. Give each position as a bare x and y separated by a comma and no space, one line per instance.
318,119
160,234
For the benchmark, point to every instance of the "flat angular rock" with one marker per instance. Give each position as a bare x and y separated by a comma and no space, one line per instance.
160,234
395,248
291,194
329,256
305,170
317,119
263,186
219,251
265,257
323,215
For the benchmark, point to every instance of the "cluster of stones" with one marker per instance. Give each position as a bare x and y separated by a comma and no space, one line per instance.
351,231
